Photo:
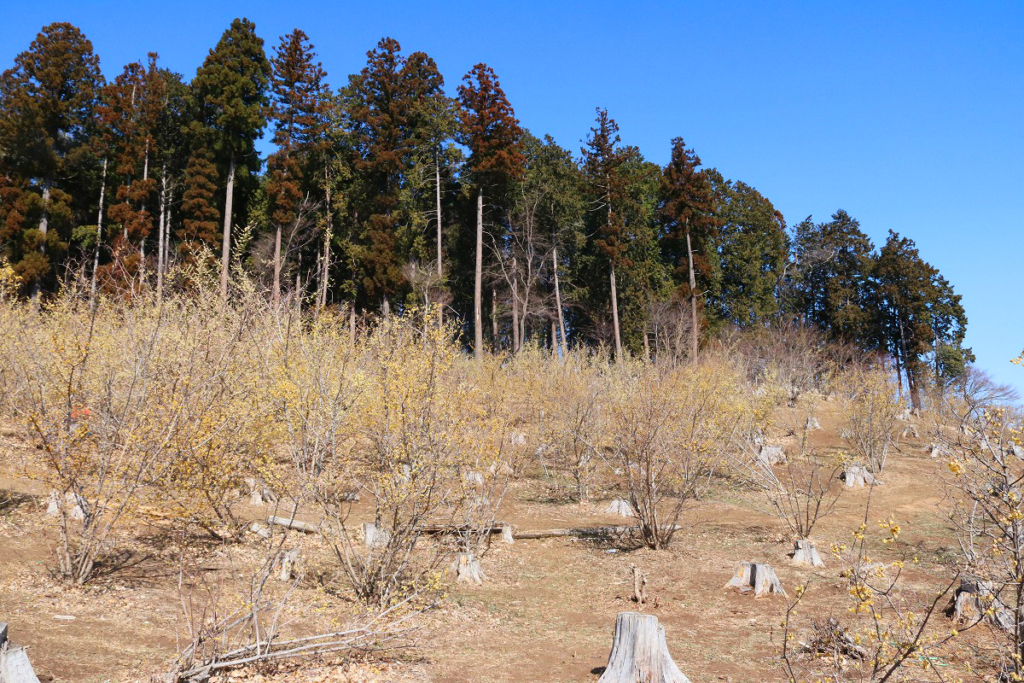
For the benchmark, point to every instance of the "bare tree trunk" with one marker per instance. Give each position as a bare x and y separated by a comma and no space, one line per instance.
437,187
161,253
693,299
558,297
352,324
225,254
516,338
494,318
44,222
554,337
275,297
328,236
647,345
99,237
142,238
615,316
478,278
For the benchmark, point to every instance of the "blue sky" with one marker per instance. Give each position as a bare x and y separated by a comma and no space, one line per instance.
908,115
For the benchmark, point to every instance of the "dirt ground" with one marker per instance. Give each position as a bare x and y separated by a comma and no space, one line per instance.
546,613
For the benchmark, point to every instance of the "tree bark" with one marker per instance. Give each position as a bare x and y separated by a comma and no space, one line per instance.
516,338
558,298
693,299
44,222
494,318
478,278
99,237
225,254
275,297
161,253
437,188
639,652
615,316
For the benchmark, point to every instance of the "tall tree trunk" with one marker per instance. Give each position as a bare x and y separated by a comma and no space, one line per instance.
647,345
693,299
225,252
161,253
494,319
328,236
615,315
275,296
44,223
516,337
478,278
386,308
558,298
437,187
142,238
99,237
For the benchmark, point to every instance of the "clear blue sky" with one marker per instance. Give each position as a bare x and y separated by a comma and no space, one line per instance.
909,115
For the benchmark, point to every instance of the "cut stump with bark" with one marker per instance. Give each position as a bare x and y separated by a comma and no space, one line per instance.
620,507
812,424
467,569
74,504
374,537
858,476
911,430
14,664
289,563
757,578
508,534
805,554
639,653
974,601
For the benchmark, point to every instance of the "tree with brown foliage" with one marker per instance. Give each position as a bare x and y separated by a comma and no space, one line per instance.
492,133
687,212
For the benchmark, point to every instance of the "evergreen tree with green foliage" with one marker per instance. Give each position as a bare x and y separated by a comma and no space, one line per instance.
230,96
47,114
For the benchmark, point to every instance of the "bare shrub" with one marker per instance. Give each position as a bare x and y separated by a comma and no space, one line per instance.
871,405
669,432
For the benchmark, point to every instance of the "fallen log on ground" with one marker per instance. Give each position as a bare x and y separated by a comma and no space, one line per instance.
294,524
583,532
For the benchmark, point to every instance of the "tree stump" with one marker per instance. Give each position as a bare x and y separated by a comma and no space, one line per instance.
74,504
260,530
639,653
620,507
474,479
771,455
374,537
812,424
858,476
911,430
1016,451
935,450
756,577
258,493
14,664
289,562
904,416
974,601
467,569
507,534
805,554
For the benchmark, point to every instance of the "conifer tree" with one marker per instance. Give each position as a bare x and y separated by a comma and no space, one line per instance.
230,91
47,106
492,133
687,207
298,113
752,249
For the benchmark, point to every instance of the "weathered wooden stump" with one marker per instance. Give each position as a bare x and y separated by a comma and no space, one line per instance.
620,507
911,430
74,504
289,564
374,537
756,577
805,554
935,450
260,530
259,494
904,415
771,455
812,424
858,476
974,601
1016,451
467,569
474,479
639,653
14,664
507,534
639,585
